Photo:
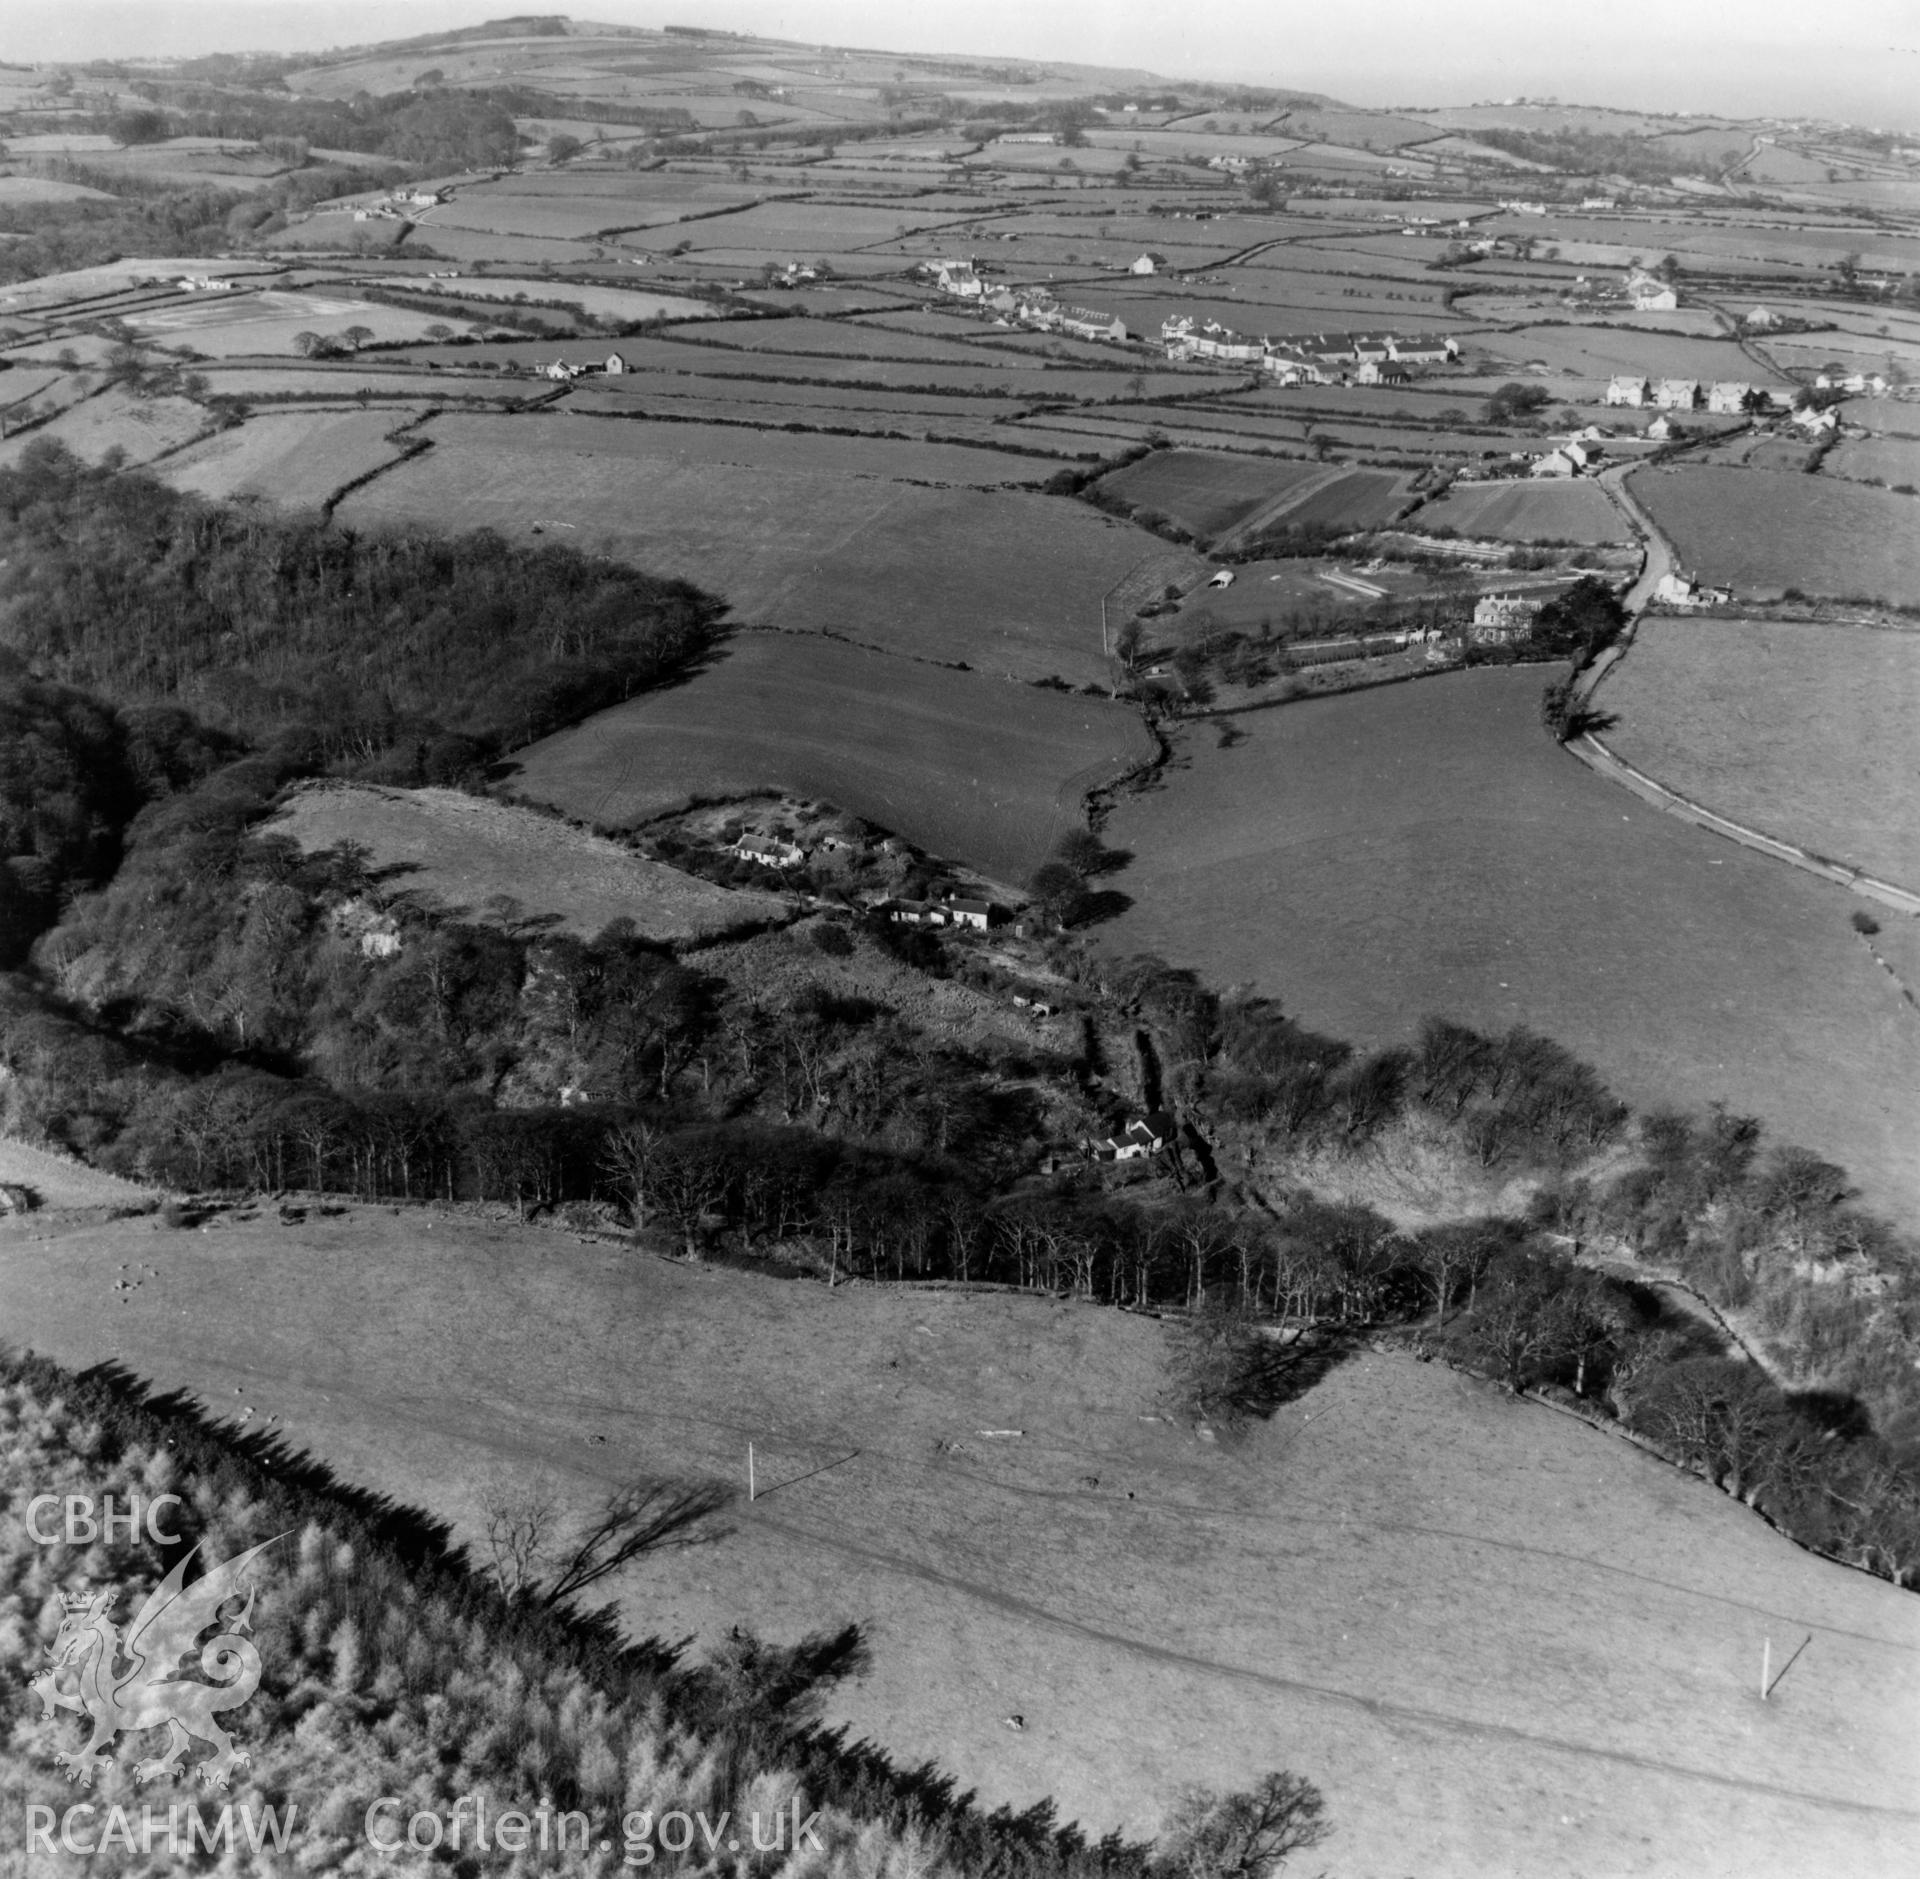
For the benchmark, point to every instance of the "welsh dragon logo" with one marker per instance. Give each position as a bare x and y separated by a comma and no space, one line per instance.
130,1683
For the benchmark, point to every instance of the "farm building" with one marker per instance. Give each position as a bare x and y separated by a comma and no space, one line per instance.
1651,295
1148,263
769,851
1817,423
1084,323
1761,319
615,363
1628,391
957,277
1568,460
1224,578
1661,429
1499,619
965,911
1136,1141
1679,590
1428,349
1677,394
1371,349
1383,372
1728,394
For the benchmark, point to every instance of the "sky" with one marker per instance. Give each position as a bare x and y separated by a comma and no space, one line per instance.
1854,59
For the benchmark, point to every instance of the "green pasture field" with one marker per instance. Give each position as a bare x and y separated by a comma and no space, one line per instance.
466,245
141,428
1803,732
18,190
1007,582
298,458
833,338
294,380
1759,532
620,303
1163,1611
808,231
621,391
1528,512
965,427
1889,460
468,858
613,441
1205,494
1353,499
967,766
1427,848
333,234
225,326
557,217
1601,352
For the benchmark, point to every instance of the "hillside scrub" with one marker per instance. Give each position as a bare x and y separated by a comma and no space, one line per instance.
392,1666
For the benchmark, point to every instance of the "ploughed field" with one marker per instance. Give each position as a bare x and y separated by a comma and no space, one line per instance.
1761,532
1426,848
967,766
1803,732
1500,1642
852,536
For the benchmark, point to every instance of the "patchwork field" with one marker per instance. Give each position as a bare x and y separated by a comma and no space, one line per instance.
966,766
225,325
299,459
1205,494
1158,1610
1005,581
1802,732
493,861
1760,532
1528,512
141,429
618,303
1425,848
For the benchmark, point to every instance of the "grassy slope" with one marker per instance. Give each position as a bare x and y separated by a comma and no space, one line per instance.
1426,848
461,853
1501,1642
965,765
1804,732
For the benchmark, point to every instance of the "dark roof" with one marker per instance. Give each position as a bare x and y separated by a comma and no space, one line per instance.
963,904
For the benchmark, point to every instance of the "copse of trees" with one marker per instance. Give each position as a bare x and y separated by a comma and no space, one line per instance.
120,585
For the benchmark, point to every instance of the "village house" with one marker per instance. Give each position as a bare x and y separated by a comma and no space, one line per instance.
1677,394
1148,263
769,851
1598,202
1817,423
1561,462
1728,394
1661,429
1500,619
1651,295
956,277
1148,1136
1383,372
1329,348
968,911
1681,590
1761,319
1221,344
562,369
1291,368
1428,349
1234,166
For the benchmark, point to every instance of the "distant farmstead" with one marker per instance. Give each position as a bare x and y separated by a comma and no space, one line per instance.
769,851
1148,1136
